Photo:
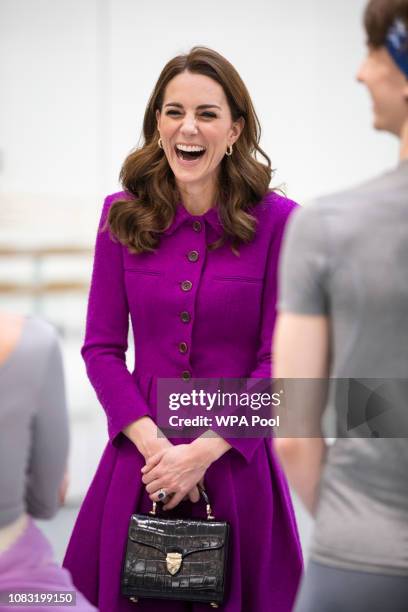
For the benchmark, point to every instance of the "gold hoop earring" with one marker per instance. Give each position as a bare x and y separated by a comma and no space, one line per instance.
229,151
160,143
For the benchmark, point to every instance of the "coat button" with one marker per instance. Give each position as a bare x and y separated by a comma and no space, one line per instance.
186,285
192,256
185,316
186,375
183,347
197,226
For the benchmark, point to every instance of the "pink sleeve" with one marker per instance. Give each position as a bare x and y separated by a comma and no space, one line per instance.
263,367
105,346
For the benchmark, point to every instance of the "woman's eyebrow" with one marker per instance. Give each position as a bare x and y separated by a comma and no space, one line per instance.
201,106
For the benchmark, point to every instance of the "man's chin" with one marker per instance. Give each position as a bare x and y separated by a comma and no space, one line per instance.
384,124
378,124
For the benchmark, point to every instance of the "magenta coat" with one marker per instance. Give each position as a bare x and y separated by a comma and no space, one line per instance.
225,314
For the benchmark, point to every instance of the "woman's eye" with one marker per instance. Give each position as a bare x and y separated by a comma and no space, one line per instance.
206,115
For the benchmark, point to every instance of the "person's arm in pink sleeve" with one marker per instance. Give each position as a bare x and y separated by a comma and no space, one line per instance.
263,367
105,346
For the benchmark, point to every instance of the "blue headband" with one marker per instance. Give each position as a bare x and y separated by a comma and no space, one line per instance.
397,44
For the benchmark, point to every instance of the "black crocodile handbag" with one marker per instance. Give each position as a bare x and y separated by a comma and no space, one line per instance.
177,559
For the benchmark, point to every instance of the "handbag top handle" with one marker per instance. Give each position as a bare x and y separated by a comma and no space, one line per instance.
203,493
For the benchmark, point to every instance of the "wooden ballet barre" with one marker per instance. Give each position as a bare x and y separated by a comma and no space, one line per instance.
43,288
43,251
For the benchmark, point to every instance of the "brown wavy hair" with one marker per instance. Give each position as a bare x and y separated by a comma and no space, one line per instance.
146,176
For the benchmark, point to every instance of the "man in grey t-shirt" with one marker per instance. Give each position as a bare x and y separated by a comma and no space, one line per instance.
344,314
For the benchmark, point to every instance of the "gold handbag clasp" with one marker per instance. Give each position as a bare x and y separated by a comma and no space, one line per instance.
173,562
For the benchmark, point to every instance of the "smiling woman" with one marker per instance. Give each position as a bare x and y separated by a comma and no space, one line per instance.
201,136
191,255
197,164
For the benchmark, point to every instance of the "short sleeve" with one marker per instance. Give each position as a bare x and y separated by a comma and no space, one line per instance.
304,264
50,439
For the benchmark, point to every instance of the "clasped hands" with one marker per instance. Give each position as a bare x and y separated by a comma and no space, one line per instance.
176,470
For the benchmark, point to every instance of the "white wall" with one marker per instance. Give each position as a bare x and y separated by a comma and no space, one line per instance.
298,59
76,74
49,96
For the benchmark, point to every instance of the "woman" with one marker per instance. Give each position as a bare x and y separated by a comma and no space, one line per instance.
33,455
193,260
344,313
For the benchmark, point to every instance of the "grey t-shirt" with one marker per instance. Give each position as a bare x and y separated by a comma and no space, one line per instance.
346,256
33,425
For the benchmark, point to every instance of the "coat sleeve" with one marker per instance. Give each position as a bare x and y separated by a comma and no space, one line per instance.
106,337
263,365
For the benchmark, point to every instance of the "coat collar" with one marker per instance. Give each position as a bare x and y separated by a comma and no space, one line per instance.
182,216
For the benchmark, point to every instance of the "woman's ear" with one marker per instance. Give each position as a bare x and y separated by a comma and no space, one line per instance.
237,128
158,117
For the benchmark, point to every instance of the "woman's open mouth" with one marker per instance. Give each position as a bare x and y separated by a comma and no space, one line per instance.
189,153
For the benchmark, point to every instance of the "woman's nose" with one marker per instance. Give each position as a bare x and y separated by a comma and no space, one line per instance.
189,125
